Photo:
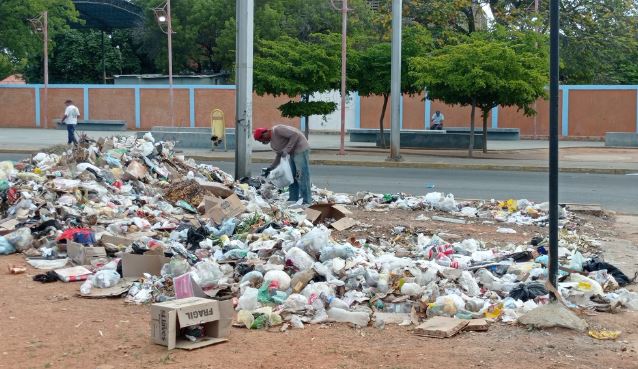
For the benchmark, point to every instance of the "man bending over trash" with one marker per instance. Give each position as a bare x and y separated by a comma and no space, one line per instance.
285,140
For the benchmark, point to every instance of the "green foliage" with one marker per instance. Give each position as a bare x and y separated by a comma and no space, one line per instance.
491,73
291,67
77,58
17,38
294,109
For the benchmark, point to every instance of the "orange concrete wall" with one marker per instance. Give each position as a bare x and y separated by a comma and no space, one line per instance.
155,108
458,116
592,113
17,107
112,104
57,97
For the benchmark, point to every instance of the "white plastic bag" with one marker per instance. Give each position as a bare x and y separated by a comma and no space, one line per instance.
282,176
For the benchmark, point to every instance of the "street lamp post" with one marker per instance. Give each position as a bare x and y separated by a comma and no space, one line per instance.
41,25
344,39
163,15
395,88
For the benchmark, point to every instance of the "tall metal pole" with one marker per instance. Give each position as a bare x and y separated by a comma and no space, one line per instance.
103,62
244,87
170,62
46,68
553,140
344,31
395,88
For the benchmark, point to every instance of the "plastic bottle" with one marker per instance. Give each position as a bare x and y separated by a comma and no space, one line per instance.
301,279
86,287
358,318
334,302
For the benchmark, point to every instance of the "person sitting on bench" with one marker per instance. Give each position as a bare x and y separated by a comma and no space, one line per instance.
437,121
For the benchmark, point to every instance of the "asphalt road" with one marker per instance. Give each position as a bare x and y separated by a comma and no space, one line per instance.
613,192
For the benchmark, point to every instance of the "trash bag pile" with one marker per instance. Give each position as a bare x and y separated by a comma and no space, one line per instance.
171,228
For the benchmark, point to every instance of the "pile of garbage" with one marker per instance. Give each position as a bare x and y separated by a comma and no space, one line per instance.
140,221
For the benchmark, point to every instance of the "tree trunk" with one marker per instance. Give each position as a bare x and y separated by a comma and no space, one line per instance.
306,98
385,105
485,113
471,148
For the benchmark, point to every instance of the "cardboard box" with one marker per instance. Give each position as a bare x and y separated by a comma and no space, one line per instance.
136,265
82,255
320,212
216,189
219,209
168,318
115,240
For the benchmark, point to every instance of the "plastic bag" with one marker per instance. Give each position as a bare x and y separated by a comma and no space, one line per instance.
295,302
299,258
282,176
315,240
469,285
178,267
295,322
21,239
248,300
528,291
337,251
411,289
105,278
208,273
618,275
281,277
358,318
6,247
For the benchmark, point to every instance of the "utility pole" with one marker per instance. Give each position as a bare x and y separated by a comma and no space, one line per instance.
244,87
344,58
171,96
46,67
553,140
395,88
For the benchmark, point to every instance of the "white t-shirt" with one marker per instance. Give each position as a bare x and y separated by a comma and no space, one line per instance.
438,118
72,113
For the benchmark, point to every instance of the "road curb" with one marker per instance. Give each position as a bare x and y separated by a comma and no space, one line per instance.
415,165
394,164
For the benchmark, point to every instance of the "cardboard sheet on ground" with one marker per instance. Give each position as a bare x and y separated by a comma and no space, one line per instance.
8,225
134,266
73,274
119,289
320,212
82,255
440,327
219,209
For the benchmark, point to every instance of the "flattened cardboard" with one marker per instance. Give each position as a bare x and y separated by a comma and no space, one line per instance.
477,325
73,274
136,170
134,266
116,240
343,224
216,189
219,209
320,212
82,255
169,317
119,289
441,327
8,225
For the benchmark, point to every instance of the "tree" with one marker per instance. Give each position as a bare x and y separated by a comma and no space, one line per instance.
483,73
77,58
17,39
291,67
372,67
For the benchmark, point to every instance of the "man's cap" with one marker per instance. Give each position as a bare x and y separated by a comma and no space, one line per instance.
258,132
68,102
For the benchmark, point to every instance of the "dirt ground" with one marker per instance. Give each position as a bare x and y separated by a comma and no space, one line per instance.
47,326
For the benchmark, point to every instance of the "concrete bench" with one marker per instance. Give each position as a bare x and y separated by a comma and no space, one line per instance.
433,140
95,125
621,139
191,138
496,134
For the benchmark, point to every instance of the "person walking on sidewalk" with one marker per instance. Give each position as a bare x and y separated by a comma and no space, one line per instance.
71,114
437,121
286,140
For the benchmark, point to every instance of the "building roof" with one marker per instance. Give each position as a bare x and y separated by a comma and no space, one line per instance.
108,15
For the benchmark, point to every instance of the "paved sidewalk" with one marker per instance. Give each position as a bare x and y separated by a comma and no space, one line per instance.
526,155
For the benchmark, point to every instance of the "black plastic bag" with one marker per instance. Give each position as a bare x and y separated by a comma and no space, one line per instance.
595,264
528,291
